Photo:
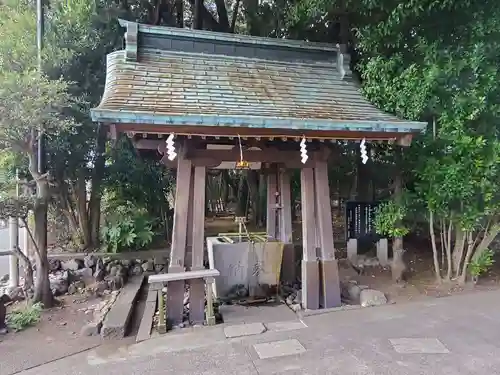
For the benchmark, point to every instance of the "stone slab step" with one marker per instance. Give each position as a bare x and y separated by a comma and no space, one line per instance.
144,332
118,318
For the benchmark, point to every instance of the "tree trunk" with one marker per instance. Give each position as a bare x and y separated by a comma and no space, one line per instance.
80,197
434,247
251,10
179,8
236,9
262,201
43,292
222,12
253,192
458,251
470,249
67,209
95,197
486,241
27,265
241,207
199,7
398,265
448,251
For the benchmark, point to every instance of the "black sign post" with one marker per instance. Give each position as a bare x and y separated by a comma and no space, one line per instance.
360,219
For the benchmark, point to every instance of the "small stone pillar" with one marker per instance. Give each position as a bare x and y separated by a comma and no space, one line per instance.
352,249
383,252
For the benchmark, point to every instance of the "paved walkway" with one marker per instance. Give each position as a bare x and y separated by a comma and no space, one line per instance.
455,335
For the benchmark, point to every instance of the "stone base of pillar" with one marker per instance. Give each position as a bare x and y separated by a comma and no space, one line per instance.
197,301
310,285
175,298
288,264
175,301
330,284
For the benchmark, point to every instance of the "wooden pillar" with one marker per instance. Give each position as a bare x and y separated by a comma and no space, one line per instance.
329,272
285,216
271,204
197,286
285,225
310,269
189,238
175,291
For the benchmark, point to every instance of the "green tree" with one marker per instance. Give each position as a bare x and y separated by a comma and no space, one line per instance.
435,61
439,60
30,103
79,34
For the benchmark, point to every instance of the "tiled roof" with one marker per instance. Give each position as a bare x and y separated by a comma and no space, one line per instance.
169,76
178,88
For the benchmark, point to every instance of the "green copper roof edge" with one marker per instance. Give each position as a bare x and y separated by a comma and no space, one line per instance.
115,116
328,64
233,38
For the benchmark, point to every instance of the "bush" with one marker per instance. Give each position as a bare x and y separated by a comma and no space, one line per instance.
127,228
389,220
24,317
481,264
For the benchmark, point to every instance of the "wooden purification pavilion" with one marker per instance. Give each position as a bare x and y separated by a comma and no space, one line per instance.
211,88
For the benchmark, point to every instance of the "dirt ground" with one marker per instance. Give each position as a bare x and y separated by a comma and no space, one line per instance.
57,335
421,281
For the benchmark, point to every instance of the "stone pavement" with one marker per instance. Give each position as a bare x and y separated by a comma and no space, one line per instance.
455,335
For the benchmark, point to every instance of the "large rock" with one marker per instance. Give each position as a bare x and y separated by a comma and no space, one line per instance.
159,268
113,271
100,270
99,288
59,283
298,297
372,297
116,282
15,293
90,260
72,265
135,270
85,274
91,329
54,265
350,292
148,266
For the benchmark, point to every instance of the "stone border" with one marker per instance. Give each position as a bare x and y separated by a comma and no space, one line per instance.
306,313
94,327
118,318
146,254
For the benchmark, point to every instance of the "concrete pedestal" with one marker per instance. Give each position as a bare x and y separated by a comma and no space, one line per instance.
330,284
310,284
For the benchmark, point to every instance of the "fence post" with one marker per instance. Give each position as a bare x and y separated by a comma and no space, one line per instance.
14,244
